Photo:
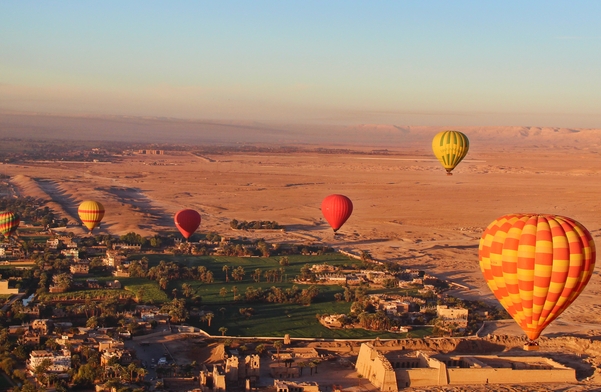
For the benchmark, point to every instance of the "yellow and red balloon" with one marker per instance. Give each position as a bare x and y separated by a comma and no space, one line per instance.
536,266
91,213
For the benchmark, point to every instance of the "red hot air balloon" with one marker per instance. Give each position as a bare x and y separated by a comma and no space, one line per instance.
336,209
536,266
187,221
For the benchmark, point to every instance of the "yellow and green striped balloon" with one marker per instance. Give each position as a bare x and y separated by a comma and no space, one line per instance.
450,147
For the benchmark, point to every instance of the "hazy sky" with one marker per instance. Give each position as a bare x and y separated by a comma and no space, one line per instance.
394,62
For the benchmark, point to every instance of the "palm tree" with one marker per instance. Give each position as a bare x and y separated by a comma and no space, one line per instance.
226,269
278,346
187,290
209,316
131,368
139,294
223,330
141,372
316,362
302,365
260,349
163,282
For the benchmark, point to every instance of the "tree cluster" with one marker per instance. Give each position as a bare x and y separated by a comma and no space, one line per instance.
30,209
254,225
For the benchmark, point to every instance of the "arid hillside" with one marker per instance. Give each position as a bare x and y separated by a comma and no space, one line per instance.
172,130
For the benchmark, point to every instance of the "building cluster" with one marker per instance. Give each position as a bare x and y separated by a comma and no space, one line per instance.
107,342
151,152
233,373
10,250
69,343
405,310
329,274
408,278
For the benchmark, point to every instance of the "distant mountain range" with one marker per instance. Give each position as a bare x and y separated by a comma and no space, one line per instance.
171,130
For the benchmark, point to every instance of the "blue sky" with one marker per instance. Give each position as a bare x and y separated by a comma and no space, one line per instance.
344,62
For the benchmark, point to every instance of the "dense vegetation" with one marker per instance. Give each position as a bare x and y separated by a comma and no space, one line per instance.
30,210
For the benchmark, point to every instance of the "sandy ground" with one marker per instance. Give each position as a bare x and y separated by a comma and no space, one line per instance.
405,208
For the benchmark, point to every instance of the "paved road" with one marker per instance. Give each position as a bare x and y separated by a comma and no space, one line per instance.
12,300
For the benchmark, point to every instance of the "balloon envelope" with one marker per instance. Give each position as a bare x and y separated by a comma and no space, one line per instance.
187,221
536,266
450,147
9,221
336,209
91,213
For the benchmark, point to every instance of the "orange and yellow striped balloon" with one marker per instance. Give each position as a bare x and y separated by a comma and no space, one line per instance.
536,266
91,213
450,147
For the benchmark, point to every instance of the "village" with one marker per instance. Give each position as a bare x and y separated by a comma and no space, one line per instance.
81,325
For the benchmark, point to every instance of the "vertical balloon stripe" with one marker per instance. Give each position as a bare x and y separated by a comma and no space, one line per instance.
536,265
559,276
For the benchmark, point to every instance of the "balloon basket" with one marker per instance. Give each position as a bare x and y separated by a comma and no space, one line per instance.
531,346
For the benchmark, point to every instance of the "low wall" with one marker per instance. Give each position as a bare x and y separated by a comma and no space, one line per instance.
509,376
418,377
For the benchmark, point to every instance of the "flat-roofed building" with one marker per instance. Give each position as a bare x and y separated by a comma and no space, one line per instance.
60,360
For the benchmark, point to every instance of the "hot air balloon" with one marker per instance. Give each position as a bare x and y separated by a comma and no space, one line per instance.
187,221
9,221
450,147
536,266
336,209
91,213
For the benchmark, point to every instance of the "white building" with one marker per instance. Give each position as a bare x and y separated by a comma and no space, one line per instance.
60,361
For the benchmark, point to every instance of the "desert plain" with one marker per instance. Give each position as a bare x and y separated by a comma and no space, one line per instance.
406,209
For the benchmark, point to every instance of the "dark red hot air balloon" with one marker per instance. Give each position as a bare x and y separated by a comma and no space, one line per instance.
336,209
187,221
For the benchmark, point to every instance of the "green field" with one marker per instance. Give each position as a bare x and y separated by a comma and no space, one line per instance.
151,293
270,319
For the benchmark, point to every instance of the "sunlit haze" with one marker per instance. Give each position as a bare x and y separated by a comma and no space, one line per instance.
462,63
